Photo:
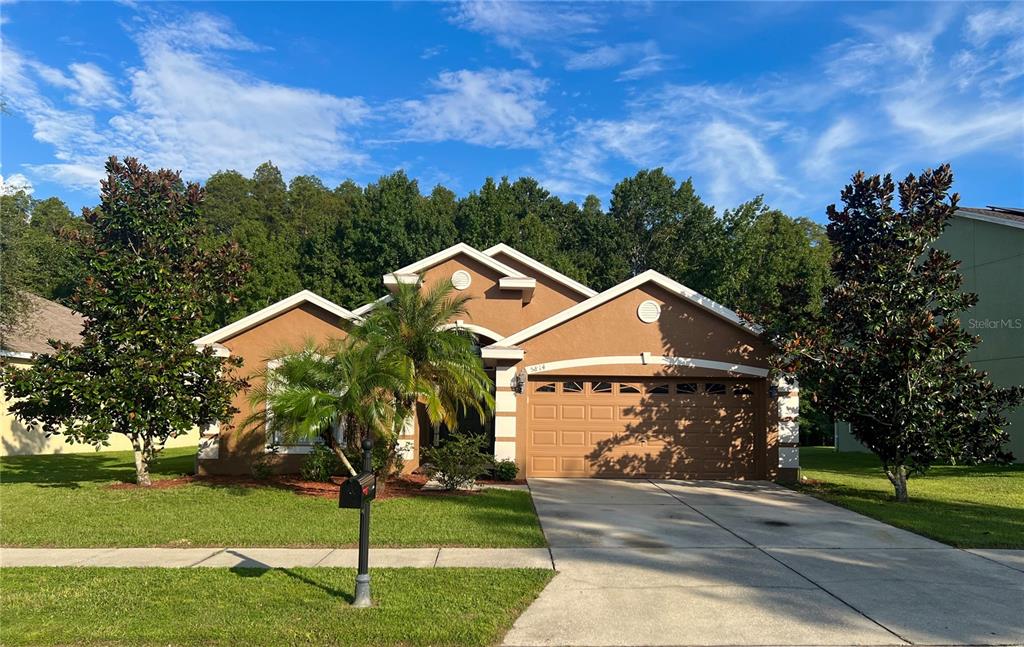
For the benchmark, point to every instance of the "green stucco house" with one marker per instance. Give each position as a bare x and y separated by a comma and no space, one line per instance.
990,245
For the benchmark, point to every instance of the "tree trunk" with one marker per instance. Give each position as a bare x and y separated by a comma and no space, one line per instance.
141,462
898,477
341,456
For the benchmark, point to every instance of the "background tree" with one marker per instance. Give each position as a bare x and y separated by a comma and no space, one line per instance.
17,266
888,353
149,283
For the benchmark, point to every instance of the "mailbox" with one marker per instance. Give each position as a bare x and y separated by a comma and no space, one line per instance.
357,490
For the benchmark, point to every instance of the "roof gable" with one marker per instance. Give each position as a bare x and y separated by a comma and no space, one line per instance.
534,264
271,311
650,276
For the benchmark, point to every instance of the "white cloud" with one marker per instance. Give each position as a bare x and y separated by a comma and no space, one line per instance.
88,84
486,107
515,25
644,58
883,99
14,183
186,109
830,147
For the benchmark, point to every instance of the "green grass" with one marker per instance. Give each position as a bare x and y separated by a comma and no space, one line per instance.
64,501
302,606
968,507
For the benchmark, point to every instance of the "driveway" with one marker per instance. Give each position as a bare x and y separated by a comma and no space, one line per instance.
716,563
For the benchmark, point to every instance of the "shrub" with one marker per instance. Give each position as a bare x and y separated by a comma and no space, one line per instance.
379,459
320,465
261,468
505,470
458,461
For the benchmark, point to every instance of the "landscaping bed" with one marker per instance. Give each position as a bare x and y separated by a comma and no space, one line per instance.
463,606
82,500
967,507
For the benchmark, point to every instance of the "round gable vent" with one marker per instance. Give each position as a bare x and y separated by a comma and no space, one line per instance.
461,279
648,311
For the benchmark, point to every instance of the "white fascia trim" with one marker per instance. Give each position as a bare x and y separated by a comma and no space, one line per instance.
516,283
16,354
475,329
996,220
455,250
646,359
490,352
367,307
534,264
650,276
392,281
220,350
272,311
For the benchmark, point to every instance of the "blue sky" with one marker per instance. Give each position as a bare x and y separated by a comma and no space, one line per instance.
782,99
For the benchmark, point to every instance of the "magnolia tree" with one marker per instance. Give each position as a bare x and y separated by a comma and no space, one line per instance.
887,352
149,285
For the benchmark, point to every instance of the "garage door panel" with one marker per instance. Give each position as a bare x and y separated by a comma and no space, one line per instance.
541,438
607,431
544,412
573,412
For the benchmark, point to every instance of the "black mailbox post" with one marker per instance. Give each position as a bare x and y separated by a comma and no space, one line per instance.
357,492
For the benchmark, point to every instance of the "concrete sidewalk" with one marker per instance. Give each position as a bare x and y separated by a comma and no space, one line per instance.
277,557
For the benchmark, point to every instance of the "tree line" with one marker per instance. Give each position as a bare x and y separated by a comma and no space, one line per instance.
339,242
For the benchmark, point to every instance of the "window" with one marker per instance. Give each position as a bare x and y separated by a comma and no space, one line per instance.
275,439
545,388
657,389
628,388
714,388
741,390
572,387
600,387
685,388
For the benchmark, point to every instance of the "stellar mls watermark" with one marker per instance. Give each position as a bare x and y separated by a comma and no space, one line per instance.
990,324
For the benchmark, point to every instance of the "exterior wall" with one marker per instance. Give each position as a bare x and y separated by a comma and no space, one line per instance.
502,311
18,440
992,262
683,330
234,448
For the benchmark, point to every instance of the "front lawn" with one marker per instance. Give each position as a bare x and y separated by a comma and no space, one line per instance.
302,606
968,507
66,501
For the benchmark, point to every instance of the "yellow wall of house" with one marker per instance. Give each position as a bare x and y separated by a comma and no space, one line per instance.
18,440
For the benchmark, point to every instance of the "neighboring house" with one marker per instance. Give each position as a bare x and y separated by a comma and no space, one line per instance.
46,320
648,378
989,243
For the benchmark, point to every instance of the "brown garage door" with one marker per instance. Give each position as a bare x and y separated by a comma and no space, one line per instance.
669,428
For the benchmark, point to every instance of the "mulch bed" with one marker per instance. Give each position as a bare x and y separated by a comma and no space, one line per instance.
408,485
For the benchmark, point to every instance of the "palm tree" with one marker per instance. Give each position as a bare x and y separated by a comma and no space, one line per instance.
404,353
440,362
318,390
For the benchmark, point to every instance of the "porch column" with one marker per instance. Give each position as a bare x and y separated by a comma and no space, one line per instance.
407,439
504,413
788,403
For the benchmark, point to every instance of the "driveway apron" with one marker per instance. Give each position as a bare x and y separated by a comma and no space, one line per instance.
726,563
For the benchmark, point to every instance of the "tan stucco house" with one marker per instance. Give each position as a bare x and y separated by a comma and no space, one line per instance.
646,379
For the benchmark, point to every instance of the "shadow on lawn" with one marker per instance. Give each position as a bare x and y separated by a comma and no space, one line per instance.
254,568
963,524
66,470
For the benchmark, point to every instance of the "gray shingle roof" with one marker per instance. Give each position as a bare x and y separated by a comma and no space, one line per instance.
44,320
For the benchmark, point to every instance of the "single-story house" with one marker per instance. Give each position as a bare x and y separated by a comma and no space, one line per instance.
44,320
989,243
645,379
